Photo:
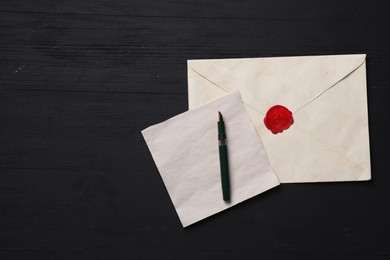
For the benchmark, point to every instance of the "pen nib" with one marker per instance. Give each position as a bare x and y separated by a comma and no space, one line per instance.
220,118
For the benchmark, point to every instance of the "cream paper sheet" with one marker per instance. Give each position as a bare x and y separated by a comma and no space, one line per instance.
185,150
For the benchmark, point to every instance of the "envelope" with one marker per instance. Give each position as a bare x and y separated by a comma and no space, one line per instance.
327,95
185,150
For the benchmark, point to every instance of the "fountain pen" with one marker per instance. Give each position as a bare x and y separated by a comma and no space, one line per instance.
223,159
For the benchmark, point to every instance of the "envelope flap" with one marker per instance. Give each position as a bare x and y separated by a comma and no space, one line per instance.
289,81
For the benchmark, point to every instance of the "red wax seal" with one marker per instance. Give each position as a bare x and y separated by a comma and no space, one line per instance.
278,118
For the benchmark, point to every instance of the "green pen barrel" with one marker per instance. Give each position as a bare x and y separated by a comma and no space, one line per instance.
224,172
221,130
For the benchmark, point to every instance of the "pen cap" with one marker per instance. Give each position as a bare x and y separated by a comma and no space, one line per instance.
221,130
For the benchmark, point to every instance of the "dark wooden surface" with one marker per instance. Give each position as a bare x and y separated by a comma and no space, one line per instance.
80,79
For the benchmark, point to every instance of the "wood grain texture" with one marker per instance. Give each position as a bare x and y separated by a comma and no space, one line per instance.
79,80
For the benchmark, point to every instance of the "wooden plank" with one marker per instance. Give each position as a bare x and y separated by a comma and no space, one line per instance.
230,9
148,55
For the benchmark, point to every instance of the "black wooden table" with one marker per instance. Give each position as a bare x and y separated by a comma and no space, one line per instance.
80,79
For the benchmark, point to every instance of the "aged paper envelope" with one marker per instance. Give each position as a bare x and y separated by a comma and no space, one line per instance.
329,140
185,150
